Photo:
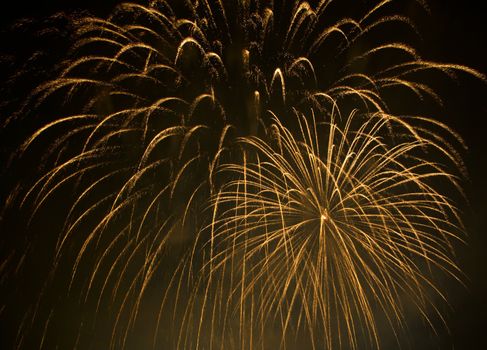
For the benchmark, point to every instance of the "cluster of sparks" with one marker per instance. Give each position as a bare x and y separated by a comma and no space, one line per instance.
244,140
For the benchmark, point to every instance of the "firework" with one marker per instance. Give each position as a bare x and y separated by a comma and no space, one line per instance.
321,230
161,107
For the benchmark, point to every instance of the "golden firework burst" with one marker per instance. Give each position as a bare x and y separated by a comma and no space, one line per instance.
318,224
321,231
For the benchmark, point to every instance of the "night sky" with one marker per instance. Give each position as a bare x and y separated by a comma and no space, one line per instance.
454,32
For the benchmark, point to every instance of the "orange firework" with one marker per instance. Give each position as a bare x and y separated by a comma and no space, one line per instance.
235,174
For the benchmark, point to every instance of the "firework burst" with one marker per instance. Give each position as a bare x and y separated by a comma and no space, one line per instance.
309,216
321,230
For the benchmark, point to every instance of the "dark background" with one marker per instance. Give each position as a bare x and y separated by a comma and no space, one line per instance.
454,32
